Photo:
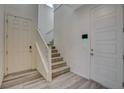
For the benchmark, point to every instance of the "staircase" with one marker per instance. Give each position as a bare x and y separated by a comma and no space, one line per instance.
59,66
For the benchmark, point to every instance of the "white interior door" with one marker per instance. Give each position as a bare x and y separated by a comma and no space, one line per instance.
107,45
18,44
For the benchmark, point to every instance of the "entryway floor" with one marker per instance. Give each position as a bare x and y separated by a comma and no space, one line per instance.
33,80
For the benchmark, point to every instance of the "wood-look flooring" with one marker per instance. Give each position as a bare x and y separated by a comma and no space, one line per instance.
33,80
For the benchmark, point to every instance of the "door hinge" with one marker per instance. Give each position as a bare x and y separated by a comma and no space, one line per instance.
123,29
123,57
7,52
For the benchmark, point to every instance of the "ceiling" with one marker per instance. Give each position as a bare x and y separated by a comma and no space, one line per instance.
75,6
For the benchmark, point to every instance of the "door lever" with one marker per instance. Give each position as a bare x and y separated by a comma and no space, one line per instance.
30,48
91,49
91,54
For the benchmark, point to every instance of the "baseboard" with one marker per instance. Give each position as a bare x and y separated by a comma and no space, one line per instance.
86,77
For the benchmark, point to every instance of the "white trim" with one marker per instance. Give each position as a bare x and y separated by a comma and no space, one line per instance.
50,5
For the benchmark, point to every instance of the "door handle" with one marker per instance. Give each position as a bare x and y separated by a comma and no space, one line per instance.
91,54
91,49
30,48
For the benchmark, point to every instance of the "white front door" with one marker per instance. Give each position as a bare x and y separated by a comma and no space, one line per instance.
19,44
107,45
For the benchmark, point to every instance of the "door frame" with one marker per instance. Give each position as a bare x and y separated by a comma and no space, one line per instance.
123,44
6,43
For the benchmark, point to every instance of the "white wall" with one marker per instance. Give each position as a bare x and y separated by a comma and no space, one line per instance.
45,21
1,41
69,26
23,10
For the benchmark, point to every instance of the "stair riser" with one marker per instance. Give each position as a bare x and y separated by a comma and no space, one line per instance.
54,51
60,72
56,55
57,59
53,47
58,65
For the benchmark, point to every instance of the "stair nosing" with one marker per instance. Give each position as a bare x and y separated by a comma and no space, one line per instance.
57,63
55,53
59,69
56,57
54,49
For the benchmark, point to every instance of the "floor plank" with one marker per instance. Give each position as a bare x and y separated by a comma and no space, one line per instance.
33,80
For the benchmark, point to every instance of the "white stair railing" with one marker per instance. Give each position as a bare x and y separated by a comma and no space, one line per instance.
49,36
57,6
43,56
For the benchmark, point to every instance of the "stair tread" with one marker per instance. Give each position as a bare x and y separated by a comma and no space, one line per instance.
55,53
54,49
56,63
57,57
59,66
59,69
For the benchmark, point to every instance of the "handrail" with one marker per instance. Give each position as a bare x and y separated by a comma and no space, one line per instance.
43,39
49,31
41,56
58,7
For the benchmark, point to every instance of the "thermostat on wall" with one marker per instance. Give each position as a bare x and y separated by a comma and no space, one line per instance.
84,36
